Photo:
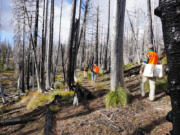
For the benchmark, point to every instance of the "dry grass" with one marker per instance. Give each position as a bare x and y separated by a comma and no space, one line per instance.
35,99
40,99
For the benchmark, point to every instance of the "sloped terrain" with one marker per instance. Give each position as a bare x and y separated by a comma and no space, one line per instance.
91,117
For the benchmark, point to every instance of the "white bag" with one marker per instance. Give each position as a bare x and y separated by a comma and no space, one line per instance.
158,71
151,70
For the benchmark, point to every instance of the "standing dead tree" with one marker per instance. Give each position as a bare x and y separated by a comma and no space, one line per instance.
107,41
44,38
83,32
150,28
117,77
34,51
97,36
50,48
69,65
169,12
59,45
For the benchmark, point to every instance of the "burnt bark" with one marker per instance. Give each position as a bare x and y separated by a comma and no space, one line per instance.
169,12
44,33
70,66
117,77
50,48
34,115
23,46
150,29
107,42
59,44
97,36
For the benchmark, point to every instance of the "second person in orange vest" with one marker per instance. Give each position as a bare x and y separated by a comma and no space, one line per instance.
94,72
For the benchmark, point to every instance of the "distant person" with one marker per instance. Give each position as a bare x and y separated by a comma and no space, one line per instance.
94,72
2,94
151,58
86,71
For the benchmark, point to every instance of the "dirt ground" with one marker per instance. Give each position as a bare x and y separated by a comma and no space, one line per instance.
93,118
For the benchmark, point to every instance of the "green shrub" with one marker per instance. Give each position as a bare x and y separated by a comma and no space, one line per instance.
116,98
58,85
106,79
127,66
101,73
89,75
162,84
26,91
1,67
164,61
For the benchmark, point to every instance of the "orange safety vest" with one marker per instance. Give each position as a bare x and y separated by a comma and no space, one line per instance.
153,58
96,69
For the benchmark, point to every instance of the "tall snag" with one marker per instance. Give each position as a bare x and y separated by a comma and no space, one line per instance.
150,29
117,77
107,40
44,36
59,45
69,65
50,48
97,36
169,12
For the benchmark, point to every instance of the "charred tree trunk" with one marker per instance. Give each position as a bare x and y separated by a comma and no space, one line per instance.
83,31
150,29
28,58
34,51
77,36
24,31
97,36
50,48
36,23
59,44
62,62
169,12
69,66
44,33
35,45
107,42
83,46
117,77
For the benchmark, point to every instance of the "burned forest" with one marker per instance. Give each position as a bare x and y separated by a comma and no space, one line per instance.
89,67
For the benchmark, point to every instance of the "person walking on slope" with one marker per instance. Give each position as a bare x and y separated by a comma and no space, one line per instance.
85,71
94,72
151,59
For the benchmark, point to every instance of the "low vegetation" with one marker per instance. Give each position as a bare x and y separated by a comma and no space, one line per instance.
116,98
35,99
127,66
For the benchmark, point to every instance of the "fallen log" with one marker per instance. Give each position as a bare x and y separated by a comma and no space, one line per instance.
82,95
111,125
34,115
132,71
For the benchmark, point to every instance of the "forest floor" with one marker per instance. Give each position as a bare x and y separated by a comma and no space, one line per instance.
93,118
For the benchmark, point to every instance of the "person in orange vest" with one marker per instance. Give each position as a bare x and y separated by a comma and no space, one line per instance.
150,58
94,72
